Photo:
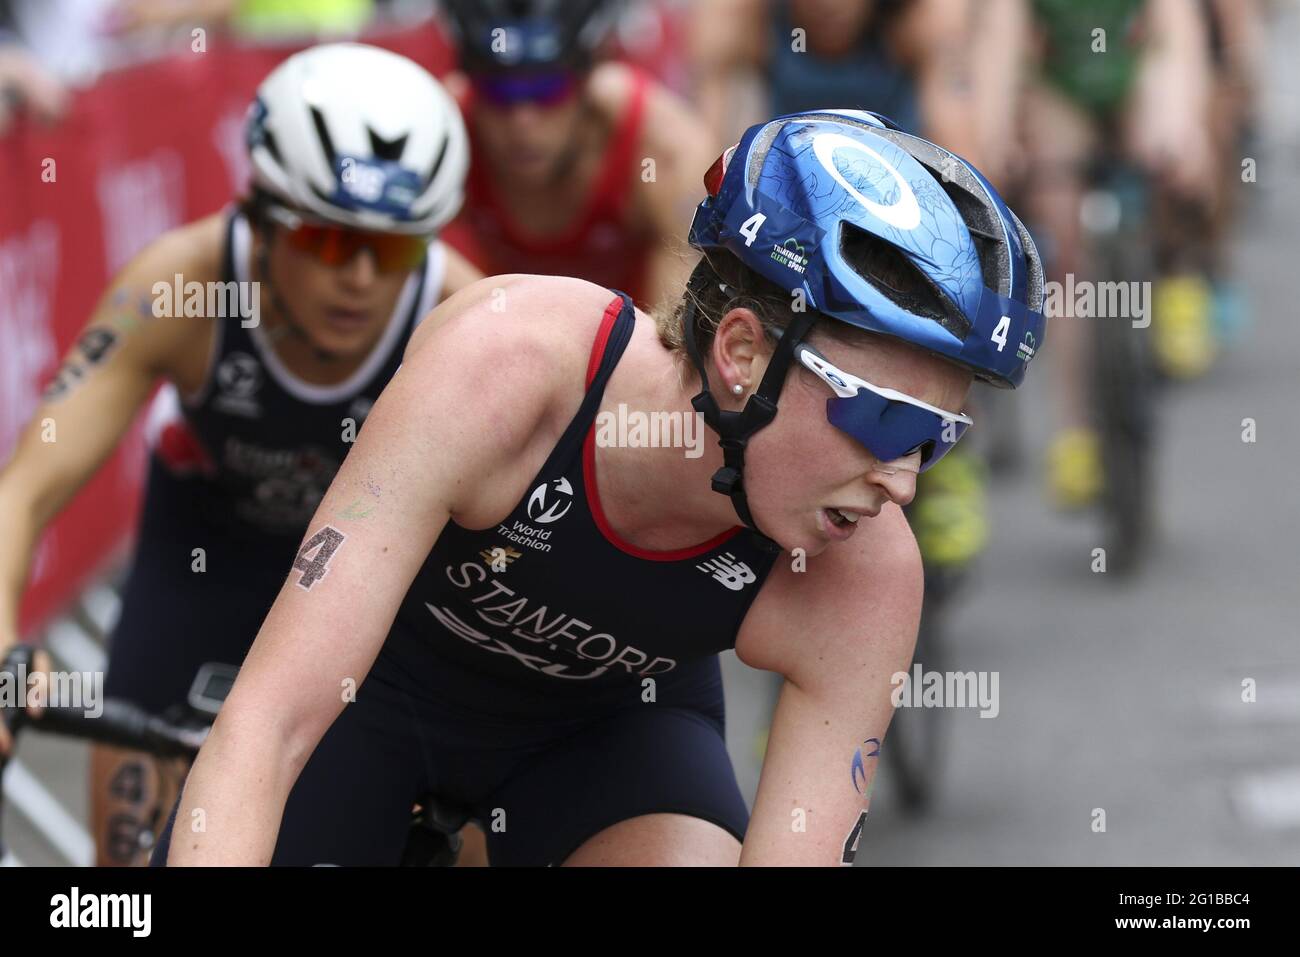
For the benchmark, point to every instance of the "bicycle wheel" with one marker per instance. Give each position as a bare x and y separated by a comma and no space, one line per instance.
1122,380
1123,401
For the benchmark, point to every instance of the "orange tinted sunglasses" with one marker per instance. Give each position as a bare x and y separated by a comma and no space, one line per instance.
336,245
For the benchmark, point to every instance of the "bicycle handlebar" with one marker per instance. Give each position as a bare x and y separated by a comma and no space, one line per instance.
120,723
124,725
434,838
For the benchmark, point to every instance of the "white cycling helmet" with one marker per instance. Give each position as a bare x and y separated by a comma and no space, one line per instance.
359,136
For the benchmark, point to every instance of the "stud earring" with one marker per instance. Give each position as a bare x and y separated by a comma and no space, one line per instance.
737,388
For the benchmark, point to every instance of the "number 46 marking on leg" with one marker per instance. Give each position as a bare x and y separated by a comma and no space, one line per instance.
851,842
325,543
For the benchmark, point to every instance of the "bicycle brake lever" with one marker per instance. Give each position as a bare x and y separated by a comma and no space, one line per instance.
14,667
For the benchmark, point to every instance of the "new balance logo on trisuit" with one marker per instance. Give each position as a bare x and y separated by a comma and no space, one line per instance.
735,575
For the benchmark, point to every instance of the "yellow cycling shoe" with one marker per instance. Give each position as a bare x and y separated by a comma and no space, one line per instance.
950,514
1183,326
1074,472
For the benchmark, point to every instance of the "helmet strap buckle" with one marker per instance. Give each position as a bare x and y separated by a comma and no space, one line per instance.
725,480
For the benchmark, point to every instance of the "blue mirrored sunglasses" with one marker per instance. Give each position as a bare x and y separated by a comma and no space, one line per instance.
889,423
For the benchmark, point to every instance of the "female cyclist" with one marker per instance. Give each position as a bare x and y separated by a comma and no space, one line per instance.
358,158
526,620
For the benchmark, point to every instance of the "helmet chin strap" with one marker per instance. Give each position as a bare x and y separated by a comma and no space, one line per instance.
291,325
735,429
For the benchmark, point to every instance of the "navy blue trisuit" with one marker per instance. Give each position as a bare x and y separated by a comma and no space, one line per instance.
543,673
235,473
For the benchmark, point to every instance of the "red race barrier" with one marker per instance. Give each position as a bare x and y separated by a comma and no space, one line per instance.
146,149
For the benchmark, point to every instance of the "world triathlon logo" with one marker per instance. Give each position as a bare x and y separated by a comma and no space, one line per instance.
238,378
239,375
550,501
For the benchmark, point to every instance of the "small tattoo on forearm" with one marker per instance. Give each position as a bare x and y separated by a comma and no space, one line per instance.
324,543
858,768
354,511
92,349
68,376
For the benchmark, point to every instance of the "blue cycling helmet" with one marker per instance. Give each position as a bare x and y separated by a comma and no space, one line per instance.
876,228
882,230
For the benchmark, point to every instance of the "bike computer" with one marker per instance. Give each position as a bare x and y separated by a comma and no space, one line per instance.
211,685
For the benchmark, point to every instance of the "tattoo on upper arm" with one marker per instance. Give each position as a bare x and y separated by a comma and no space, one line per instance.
94,346
127,318
325,543
96,343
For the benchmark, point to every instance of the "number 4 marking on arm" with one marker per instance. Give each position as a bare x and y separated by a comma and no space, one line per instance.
851,842
325,543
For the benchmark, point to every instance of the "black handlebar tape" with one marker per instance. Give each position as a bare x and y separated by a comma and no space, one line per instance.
124,725
14,716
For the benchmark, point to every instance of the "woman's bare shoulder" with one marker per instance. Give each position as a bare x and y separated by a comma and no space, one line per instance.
555,314
505,362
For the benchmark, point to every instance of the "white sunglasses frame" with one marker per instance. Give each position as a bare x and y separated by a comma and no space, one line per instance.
846,385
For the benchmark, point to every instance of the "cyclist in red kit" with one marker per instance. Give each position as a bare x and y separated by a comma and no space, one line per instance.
578,169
